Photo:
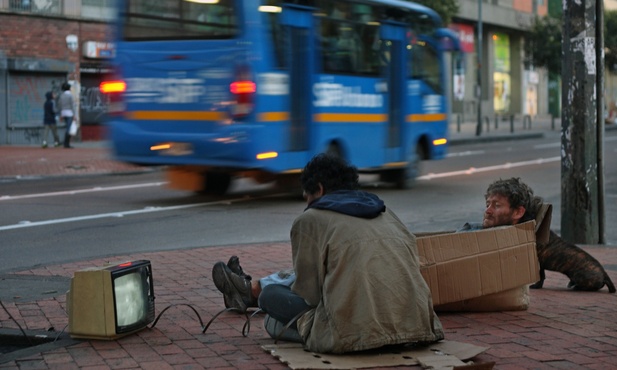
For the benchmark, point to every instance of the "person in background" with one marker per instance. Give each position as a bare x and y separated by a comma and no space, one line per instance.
508,202
49,119
67,111
357,281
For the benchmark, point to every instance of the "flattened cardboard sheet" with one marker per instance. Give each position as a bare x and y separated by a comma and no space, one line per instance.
441,355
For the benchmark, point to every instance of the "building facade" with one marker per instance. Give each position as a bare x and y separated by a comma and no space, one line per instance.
496,81
44,43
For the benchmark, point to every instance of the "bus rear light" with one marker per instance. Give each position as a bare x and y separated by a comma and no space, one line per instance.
113,90
243,90
110,87
243,87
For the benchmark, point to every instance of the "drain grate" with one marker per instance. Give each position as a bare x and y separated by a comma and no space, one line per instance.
14,344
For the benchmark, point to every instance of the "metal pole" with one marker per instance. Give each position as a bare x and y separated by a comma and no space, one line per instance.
600,119
479,57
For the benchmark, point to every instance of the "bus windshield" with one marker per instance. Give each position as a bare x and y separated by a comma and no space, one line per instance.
145,20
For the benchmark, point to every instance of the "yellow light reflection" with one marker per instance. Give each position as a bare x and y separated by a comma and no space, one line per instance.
203,1
441,141
270,9
267,155
160,147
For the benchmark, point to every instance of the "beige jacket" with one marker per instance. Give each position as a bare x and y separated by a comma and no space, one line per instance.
363,278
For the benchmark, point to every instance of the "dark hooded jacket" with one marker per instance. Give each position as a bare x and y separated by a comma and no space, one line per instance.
49,109
357,265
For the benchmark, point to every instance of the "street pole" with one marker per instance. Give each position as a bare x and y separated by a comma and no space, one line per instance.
479,77
600,118
580,135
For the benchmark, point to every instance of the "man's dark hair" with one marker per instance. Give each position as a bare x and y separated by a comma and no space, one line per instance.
333,172
66,86
519,194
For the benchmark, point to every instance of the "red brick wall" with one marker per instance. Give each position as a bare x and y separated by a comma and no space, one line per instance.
37,37
45,37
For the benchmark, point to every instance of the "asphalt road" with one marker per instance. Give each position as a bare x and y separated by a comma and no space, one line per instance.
50,221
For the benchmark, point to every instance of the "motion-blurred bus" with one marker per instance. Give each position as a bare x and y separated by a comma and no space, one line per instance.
218,89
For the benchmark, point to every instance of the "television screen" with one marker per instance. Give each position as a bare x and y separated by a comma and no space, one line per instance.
132,296
111,301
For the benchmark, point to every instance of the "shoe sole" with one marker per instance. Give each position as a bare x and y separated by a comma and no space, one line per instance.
224,284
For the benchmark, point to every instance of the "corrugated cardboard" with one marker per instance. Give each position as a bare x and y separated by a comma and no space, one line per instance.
466,265
432,356
516,299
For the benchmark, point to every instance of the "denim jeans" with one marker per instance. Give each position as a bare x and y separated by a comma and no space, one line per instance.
281,303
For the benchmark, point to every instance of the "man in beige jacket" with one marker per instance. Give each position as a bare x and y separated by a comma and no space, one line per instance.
357,275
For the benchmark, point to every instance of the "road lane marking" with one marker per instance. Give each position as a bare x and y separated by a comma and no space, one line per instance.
72,192
466,153
24,224
546,146
430,176
472,170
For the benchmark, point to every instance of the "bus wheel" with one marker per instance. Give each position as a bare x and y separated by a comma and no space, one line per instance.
405,178
216,183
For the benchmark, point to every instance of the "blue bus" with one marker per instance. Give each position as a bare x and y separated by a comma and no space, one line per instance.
219,89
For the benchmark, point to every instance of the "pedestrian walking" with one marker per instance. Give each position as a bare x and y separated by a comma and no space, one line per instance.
67,111
49,119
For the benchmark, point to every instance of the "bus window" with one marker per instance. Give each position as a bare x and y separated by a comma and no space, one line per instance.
271,10
424,64
178,19
348,38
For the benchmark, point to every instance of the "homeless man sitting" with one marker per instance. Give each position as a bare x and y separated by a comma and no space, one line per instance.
357,282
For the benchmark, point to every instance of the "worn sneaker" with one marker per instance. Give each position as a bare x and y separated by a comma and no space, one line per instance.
234,266
236,289
275,329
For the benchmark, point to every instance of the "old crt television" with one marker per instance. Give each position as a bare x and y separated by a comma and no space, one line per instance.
111,301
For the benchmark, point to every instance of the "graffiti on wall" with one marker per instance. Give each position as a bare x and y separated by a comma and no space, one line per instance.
93,104
27,96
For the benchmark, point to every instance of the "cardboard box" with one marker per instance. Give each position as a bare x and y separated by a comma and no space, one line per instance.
466,265
516,299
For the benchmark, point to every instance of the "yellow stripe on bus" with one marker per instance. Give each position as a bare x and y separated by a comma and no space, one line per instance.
279,116
432,117
395,164
176,115
347,117
273,116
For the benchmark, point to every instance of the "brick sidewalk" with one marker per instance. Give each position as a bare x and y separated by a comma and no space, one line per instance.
24,161
561,329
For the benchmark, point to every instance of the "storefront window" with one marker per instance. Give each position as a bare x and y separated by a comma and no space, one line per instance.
98,9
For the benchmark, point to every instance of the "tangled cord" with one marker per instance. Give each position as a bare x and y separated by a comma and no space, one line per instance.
245,328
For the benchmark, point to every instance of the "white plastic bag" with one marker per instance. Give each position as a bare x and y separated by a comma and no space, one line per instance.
74,127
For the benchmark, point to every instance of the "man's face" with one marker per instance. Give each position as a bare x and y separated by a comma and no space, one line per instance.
498,212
